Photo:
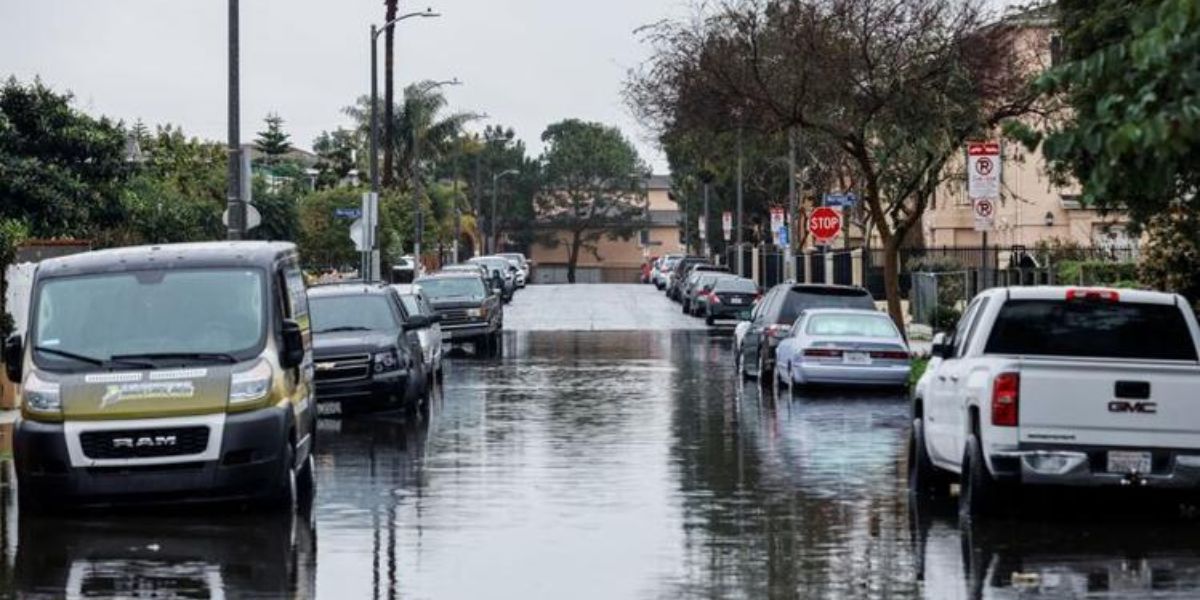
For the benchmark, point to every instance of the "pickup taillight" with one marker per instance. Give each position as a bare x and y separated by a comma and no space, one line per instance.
1006,399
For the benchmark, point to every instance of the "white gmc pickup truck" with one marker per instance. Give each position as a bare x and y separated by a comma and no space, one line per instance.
1059,386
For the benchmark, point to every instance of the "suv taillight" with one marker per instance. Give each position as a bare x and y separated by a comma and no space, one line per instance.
1006,399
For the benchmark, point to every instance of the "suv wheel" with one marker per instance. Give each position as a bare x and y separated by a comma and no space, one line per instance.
924,478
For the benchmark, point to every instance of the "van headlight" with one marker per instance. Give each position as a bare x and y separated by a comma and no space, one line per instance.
252,384
477,313
41,396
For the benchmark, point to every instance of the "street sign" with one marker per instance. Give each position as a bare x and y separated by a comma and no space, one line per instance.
782,237
356,235
727,224
840,200
777,217
984,171
362,230
824,225
703,233
347,213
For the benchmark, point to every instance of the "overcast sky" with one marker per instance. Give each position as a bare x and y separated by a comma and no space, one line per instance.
526,63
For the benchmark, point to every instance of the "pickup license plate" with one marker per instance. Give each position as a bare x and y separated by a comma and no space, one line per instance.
856,358
1128,462
329,409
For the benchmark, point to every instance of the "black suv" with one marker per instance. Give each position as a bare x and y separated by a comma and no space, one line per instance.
772,318
366,351
471,313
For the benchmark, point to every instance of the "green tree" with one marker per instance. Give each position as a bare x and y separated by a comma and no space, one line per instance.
273,141
323,240
592,177
280,211
61,171
336,152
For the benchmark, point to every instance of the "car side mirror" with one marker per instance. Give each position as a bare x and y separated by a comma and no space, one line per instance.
940,349
416,322
293,345
14,354
435,318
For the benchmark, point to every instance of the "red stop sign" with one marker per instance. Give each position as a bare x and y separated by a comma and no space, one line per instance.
824,224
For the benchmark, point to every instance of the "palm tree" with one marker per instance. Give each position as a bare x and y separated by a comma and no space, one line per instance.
388,95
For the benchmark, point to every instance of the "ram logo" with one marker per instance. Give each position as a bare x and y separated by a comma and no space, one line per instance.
1143,408
157,441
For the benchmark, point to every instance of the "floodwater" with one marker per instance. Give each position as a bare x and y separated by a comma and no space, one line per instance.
606,465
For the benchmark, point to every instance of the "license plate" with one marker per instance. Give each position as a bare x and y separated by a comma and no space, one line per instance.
1128,462
735,300
329,409
856,358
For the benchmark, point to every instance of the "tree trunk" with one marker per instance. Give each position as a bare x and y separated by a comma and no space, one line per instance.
573,257
891,282
389,146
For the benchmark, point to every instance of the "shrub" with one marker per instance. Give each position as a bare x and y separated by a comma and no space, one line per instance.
1171,261
1093,272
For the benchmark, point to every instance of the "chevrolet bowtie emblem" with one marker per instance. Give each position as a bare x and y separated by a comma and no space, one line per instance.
326,366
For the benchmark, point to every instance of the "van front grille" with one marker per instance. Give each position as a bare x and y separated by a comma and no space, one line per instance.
144,443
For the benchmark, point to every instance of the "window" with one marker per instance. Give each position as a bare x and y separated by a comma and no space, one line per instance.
153,311
356,312
852,325
980,306
1119,330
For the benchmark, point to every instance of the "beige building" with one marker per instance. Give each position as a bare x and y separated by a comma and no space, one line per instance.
1033,208
618,261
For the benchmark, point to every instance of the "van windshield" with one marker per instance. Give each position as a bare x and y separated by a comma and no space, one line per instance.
153,312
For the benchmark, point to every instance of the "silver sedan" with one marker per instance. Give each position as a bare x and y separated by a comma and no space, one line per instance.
843,347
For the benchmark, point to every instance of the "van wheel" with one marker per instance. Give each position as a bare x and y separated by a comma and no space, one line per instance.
286,493
306,483
978,494
924,478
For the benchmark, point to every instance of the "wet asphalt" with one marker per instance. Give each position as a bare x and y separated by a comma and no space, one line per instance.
612,453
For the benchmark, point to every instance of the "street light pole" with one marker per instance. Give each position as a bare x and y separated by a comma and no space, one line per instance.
236,229
790,271
375,31
740,265
495,180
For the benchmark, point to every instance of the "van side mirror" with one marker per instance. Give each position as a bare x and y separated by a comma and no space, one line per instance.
14,354
293,345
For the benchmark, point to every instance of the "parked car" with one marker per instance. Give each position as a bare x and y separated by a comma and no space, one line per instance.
661,269
699,281
679,275
1054,386
367,349
727,298
475,268
771,321
174,372
471,314
416,303
648,268
523,265
501,275
406,269
843,347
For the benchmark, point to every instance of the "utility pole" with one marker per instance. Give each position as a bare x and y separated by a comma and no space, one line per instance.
366,254
687,225
478,199
789,254
704,230
236,229
738,225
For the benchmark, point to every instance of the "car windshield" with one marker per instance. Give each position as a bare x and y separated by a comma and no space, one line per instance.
201,311
442,288
850,325
1092,329
735,285
356,312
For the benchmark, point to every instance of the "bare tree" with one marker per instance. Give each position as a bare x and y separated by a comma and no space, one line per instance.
896,86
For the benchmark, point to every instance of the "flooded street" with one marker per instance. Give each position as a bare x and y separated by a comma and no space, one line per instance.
604,464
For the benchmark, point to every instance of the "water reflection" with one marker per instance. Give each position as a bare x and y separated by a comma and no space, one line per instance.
1101,550
213,556
606,465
